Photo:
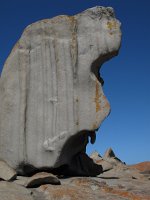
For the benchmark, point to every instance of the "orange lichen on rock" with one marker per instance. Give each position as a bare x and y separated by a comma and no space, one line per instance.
107,105
126,194
144,166
97,97
104,188
63,192
111,25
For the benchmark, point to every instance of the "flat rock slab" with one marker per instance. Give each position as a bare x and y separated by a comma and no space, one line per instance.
71,192
41,179
121,188
80,188
6,172
123,172
96,189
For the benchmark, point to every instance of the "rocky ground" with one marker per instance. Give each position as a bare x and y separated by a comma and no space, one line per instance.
117,182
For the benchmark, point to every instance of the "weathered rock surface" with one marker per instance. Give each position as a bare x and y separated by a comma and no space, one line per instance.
97,188
121,172
105,165
120,183
51,97
21,180
6,172
78,189
143,166
12,191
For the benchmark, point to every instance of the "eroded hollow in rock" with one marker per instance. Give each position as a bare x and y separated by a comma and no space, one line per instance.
77,163
97,65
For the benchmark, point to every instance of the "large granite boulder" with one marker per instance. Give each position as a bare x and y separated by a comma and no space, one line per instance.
51,97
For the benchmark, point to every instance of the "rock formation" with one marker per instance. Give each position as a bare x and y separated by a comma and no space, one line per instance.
108,161
51,97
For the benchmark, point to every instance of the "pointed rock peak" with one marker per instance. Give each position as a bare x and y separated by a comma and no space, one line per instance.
109,153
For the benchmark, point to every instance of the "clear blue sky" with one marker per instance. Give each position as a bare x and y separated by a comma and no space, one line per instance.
127,77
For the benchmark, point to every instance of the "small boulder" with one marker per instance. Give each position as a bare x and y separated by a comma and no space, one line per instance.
41,179
6,172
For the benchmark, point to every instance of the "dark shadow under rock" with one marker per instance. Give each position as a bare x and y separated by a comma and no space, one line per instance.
80,165
73,158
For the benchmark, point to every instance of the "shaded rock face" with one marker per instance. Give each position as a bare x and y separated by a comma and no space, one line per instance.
51,97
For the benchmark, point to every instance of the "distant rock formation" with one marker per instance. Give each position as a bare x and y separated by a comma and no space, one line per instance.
111,157
108,161
51,97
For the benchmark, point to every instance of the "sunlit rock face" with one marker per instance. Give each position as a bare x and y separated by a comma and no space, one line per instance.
51,97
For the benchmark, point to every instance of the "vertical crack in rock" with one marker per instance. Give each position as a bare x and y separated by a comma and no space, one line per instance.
51,91
74,59
54,99
27,86
74,44
25,121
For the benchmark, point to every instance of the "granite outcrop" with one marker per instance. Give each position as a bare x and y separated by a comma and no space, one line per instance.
51,97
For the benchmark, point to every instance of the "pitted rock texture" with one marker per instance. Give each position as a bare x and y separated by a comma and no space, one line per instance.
51,97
